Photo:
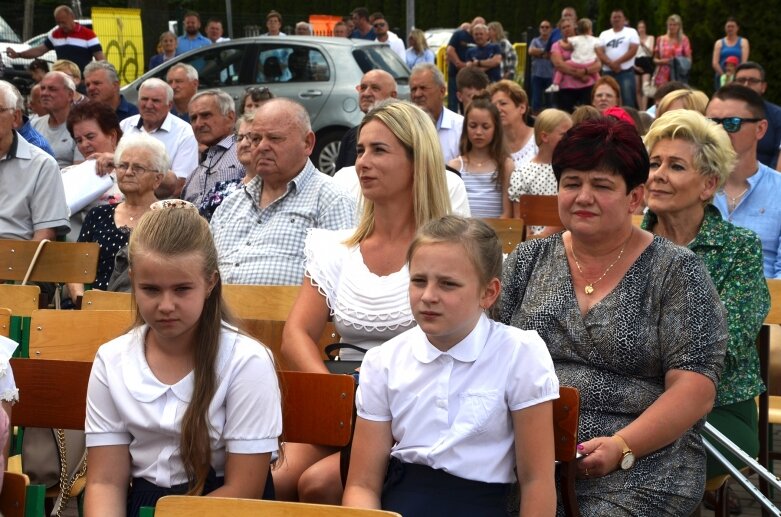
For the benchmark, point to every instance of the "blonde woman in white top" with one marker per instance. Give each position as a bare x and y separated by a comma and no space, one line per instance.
644,63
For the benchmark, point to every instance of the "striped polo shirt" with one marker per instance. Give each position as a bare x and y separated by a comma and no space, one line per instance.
78,45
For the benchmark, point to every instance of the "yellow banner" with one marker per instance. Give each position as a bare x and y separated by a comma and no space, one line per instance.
120,33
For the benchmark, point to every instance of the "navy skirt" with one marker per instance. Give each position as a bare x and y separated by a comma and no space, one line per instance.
417,490
144,493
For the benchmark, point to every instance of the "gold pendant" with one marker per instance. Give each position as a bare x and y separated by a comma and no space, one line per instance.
589,289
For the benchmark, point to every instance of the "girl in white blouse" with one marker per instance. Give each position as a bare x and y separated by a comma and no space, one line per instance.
448,409
183,403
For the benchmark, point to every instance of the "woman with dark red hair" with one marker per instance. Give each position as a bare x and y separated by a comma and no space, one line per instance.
631,320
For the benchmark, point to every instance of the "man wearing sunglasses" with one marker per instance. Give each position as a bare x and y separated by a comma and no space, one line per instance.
749,198
384,35
752,75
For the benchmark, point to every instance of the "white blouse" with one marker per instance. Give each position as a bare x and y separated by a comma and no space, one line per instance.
8,390
128,405
367,309
451,410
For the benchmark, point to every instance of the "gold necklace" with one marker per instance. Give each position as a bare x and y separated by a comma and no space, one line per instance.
590,286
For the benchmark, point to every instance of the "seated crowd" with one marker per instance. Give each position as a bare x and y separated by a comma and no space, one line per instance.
463,349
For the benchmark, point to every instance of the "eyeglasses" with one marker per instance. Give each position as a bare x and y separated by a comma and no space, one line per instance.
253,138
733,124
136,168
379,25
747,80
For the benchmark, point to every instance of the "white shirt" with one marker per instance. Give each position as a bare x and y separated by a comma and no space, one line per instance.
8,390
451,410
397,46
616,45
178,138
128,405
347,177
584,48
449,128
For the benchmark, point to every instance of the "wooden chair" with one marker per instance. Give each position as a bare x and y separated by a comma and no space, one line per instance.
769,343
5,322
183,506
95,299
510,232
637,220
269,332
539,211
58,262
317,408
22,300
260,302
13,495
75,335
566,414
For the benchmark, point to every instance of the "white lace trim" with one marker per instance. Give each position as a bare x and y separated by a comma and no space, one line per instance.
10,395
365,301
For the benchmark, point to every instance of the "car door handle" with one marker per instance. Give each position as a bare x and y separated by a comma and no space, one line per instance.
311,93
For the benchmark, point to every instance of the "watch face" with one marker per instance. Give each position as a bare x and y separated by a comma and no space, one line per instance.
628,461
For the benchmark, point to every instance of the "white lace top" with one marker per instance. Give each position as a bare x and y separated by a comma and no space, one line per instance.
525,153
8,390
367,309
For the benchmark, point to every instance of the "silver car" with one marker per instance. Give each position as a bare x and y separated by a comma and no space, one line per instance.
319,72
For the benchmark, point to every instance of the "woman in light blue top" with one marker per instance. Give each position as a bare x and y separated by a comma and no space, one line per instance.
418,51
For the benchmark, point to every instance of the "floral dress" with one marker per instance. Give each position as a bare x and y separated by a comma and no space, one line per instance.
667,48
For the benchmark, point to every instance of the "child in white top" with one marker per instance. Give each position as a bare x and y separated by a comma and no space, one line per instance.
455,404
584,54
183,403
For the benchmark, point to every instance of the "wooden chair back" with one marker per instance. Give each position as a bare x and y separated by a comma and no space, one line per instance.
637,220
51,393
769,345
566,416
21,299
510,232
269,332
317,408
260,302
5,322
75,335
13,495
58,262
539,211
183,506
96,300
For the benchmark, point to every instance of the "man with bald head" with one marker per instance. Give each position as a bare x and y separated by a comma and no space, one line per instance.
375,86
456,57
259,231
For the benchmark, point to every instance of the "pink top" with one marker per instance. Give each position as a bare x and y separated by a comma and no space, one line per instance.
568,81
667,48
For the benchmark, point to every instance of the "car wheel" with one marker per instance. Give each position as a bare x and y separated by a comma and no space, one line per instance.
326,150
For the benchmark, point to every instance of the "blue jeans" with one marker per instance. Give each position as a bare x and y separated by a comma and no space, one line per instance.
538,92
626,81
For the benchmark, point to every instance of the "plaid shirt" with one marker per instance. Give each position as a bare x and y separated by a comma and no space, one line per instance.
218,163
266,245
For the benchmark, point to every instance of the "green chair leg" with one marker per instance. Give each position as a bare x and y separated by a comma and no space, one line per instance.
146,511
35,503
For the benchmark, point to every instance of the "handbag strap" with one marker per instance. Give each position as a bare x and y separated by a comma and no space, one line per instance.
333,349
34,260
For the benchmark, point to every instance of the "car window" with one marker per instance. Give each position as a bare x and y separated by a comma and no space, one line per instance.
216,67
291,63
7,34
382,57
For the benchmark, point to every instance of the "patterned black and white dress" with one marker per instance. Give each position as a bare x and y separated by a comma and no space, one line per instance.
664,314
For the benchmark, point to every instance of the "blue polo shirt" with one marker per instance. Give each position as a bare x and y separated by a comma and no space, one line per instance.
125,109
185,44
460,41
487,51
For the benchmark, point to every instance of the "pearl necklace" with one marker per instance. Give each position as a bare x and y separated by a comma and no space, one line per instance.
590,286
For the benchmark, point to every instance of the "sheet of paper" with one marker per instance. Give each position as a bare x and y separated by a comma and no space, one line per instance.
83,185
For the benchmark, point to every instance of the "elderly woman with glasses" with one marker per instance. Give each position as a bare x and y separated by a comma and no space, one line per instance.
691,158
141,162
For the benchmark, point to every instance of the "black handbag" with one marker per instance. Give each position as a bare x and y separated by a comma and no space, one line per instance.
335,364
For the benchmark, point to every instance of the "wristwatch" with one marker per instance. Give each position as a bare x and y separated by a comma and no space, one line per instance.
627,456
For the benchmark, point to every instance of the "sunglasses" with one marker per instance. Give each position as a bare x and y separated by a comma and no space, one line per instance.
733,124
380,25
747,80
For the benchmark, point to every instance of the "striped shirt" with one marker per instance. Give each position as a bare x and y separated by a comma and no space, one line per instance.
219,163
485,196
266,245
78,45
